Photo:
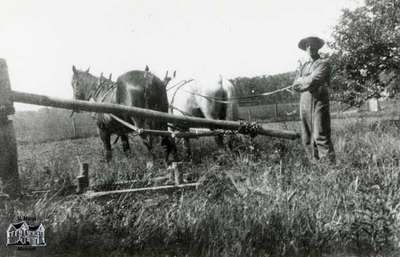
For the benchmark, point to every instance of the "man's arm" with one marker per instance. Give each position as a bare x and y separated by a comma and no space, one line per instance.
295,84
318,76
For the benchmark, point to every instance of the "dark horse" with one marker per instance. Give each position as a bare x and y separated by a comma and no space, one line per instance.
134,88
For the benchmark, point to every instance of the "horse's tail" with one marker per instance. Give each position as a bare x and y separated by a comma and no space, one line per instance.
232,111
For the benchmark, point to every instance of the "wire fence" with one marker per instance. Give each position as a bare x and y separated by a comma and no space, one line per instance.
290,111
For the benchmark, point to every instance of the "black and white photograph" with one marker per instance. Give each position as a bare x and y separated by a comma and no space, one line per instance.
187,128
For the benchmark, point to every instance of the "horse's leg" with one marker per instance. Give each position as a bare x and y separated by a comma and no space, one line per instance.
125,143
140,123
105,137
213,112
219,139
231,141
169,146
148,142
187,149
146,139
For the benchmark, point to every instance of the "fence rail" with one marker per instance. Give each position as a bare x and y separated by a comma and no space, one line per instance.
278,111
283,112
78,105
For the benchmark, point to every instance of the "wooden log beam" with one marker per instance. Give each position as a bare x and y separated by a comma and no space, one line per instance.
76,105
92,195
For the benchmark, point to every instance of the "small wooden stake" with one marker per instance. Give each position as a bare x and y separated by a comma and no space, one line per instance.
83,178
176,172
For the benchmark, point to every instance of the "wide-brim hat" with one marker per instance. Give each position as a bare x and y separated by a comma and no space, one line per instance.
316,41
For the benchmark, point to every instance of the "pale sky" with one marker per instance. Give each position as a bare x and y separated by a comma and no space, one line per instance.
42,39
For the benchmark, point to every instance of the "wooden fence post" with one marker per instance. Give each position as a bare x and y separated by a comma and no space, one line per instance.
8,143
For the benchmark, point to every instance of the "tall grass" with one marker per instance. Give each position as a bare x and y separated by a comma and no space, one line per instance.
245,206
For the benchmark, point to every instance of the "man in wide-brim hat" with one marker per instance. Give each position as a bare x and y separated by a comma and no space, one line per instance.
312,81
315,41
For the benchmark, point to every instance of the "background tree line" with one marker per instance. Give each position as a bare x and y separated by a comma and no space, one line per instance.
260,84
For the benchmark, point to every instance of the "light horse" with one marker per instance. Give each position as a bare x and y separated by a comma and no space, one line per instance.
134,88
210,99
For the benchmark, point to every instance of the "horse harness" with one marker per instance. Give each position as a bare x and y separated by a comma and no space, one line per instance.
219,100
109,87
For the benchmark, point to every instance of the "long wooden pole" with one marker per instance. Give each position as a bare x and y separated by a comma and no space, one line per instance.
76,105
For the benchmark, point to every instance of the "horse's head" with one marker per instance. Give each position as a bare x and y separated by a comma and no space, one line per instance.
103,81
83,83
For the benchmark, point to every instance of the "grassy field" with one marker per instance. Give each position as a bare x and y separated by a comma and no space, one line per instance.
245,206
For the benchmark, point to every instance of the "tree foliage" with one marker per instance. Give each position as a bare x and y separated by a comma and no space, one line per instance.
367,51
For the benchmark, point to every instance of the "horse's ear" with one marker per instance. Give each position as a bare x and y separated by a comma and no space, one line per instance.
174,75
109,77
146,71
87,71
101,75
74,69
220,81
